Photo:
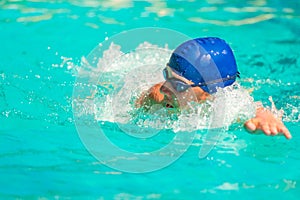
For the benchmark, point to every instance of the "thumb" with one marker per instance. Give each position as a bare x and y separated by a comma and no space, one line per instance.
251,125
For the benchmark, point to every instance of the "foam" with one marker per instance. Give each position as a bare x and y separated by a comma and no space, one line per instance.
123,77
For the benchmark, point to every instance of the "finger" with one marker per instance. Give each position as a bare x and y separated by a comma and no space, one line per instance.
274,130
285,132
266,129
250,125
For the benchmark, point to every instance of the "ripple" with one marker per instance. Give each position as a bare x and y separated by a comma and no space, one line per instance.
252,20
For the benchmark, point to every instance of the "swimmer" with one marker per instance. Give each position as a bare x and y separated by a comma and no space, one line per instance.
195,70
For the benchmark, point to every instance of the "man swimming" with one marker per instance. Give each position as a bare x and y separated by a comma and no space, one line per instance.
195,70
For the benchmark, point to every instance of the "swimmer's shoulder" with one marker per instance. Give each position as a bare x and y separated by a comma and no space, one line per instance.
150,96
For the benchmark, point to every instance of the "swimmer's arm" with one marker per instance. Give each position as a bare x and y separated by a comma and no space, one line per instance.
150,96
267,122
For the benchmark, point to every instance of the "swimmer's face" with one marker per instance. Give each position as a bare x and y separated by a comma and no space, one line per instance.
175,99
178,91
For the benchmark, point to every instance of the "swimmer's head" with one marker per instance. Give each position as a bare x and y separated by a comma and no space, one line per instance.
207,62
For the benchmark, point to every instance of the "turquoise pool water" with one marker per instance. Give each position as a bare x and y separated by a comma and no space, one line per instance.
42,155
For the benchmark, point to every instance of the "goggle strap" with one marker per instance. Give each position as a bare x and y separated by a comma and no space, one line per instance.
217,80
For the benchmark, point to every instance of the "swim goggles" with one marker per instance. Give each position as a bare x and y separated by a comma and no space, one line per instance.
180,84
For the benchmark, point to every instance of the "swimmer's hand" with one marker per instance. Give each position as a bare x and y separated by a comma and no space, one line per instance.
266,122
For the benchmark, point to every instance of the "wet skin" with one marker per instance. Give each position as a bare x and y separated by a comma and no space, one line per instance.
163,93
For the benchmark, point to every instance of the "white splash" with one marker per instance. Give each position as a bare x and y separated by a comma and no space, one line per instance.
122,77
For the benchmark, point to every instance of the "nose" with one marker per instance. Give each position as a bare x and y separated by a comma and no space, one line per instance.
165,89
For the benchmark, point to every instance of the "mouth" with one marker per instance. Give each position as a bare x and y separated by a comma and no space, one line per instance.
169,96
169,105
169,100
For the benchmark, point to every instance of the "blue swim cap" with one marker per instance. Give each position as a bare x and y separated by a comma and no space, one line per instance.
207,62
